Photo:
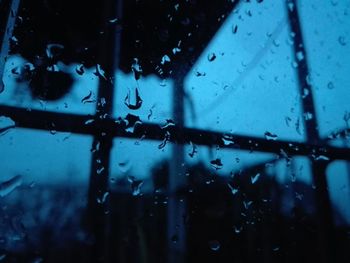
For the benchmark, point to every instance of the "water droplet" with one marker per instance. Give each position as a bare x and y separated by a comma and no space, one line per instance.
270,136
100,170
214,245
330,85
87,98
255,178
234,29
342,40
308,116
238,229
176,50
124,166
300,55
291,6
135,185
6,124
3,256
133,100
103,199
227,140
193,150
136,68
165,140
10,185
113,20
233,190
200,74
169,123
80,69
211,57
217,164
100,72
165,59
53,50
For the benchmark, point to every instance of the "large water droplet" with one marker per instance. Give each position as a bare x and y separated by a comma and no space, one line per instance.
10,185
133,100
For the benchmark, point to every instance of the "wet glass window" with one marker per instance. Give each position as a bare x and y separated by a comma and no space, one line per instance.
174,131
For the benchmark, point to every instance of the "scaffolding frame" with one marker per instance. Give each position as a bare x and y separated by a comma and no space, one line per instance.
105,129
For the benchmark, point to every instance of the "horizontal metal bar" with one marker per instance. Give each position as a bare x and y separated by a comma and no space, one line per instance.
133,128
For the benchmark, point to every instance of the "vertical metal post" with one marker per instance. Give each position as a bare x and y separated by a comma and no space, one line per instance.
98,208
176,235
323,205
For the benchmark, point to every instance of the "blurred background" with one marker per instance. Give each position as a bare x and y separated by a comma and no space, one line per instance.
174,131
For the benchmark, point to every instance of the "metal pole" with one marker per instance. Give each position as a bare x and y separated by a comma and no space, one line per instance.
323,205
98,202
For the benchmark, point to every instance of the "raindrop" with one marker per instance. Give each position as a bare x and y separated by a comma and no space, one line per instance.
136,68
3,256
234,29
87,98
300,55
100,170
238,229
291,6
6,124
255,178
165,59
330,85
233,190
211,57
165,140
135,185
103,199
270,136
193,151
214,245
216,164
113,20
52,50
100,72
124,166
227,140
308,116
342,40
200,74
80,69
8,186
169,123
176,50
133,100
320,158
